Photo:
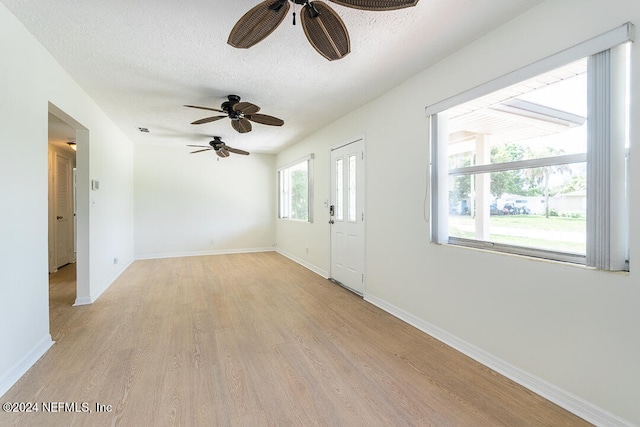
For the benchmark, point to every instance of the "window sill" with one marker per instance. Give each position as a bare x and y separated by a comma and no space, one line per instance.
490,248
301,221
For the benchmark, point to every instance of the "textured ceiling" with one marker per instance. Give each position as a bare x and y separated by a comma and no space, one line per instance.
141,61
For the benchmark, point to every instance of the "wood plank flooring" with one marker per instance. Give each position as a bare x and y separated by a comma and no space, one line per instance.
255,340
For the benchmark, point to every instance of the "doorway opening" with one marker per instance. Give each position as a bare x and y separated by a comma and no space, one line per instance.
68,214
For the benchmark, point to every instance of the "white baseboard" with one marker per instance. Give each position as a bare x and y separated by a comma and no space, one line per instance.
304,263
82,301
560,397
96,294
19,369
203,253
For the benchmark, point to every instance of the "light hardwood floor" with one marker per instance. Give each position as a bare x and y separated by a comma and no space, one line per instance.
251,340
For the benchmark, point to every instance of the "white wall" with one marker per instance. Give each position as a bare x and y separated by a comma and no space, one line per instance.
29,80
193,204
574,329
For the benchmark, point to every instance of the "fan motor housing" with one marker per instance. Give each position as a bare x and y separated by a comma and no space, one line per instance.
216,142
227,107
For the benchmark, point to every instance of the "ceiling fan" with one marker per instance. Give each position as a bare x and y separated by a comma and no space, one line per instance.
221,149
240,113
323,27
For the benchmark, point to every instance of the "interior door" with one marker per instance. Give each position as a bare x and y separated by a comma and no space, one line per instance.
63,208
347,215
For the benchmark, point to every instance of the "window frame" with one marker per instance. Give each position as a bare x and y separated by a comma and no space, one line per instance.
609,255
286,192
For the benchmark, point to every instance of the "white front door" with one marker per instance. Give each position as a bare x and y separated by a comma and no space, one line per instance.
347,215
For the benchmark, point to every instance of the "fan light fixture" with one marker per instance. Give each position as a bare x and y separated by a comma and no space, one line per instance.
219,147
240,113
323,27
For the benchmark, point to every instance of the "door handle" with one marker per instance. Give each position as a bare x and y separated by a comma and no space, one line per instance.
59,217
330,221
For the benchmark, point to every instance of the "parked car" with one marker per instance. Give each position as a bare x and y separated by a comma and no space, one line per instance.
514,209
509,209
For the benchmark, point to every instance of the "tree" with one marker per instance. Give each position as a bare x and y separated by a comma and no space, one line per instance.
512,181
540,176
461,184
578,182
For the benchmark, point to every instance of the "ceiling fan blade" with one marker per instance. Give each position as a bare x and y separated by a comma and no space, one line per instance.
242,125
207,120
376,4
199,151
236,150
325,30
258,23
204,108
222,152
199,146
246,107
265,120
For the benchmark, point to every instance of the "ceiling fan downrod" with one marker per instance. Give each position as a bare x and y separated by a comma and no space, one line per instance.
276,6
313,11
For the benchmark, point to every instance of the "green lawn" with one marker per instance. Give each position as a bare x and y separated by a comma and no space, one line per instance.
553,233
539,222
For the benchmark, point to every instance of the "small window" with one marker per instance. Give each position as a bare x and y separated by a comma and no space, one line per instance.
294,184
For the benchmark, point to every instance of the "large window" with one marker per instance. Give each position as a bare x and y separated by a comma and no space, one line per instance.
295,195
538,166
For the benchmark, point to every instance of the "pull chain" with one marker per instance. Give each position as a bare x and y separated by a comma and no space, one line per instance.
294,14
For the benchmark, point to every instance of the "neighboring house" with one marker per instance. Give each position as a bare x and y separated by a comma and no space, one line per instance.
574,202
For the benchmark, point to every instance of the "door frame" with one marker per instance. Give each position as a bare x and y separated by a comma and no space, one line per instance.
83,295
344,143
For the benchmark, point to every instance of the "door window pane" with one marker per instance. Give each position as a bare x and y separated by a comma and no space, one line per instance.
352,188
339,190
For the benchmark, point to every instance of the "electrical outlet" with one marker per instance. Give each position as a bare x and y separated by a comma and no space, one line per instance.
115,261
